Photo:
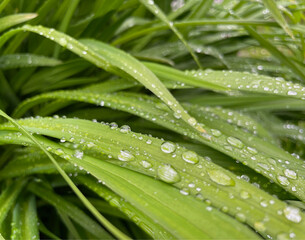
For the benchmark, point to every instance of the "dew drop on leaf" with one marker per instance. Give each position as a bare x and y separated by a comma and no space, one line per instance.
190,157
145,164
283,180
283,236
125,156
78,154
168,174
221,178
259,226
290,174
125,129
216,132
292,214
235,142
240,217
168,147
244,194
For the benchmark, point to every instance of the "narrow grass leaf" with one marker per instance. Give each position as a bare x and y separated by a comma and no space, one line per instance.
26,60
12,20
274,10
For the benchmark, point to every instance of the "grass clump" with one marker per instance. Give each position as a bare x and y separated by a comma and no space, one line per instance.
152,119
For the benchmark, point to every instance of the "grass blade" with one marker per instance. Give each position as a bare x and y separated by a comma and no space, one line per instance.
273,8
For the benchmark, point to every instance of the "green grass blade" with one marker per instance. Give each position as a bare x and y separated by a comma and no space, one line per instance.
29,226
68,208
26,60
114,141
9,196
149,4
273,8
111,59
103,220
12,20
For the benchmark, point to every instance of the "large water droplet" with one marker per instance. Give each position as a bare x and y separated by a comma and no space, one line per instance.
221,178
125,156
293,214
240,217
244,194
216,132
290,174
146,164
168,147
259,226
292,93
190,157
283,236
78,154
283,180
235,142
168,174
125,129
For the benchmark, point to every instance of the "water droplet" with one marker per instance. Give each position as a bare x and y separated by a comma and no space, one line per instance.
292,93
168,174
235,142
290,174
113,125
184,191
145,164
168,147
59,152
244,194
63,42
283,236
293,214
125,129
190,157
221,178
78,154
283,180
259,226
264,203
148,141
240,217
192,121
252,150
125,156
216,132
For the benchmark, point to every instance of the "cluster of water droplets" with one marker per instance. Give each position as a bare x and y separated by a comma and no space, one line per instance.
250,82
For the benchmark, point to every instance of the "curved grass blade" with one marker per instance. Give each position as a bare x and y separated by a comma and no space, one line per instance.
242,81
68,208
139,217
12,20
262,156
149,4
26,60
158,196
274,10
103,220
114,60
9,196
28,216
207,178
240,22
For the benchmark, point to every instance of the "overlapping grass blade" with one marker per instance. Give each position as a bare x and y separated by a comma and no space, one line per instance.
26,60
276,13
157,195
206,178
111,59
12,20
262,156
